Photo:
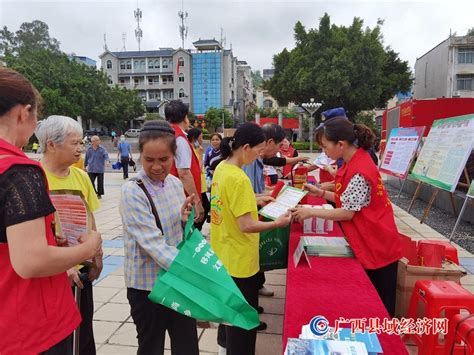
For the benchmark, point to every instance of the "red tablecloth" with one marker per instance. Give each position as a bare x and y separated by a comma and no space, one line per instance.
333,288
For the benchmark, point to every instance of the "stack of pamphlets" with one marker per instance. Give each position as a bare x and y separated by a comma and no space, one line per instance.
327,246
343,342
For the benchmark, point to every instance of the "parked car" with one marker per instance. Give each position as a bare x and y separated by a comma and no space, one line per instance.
132,133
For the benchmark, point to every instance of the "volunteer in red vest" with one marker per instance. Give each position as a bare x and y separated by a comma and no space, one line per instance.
186,164
37,308
362,205
287,151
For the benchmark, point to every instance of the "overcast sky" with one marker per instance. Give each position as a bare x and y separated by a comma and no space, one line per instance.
256,29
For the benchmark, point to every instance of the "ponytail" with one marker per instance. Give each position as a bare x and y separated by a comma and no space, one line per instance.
364,136
248,133
341,129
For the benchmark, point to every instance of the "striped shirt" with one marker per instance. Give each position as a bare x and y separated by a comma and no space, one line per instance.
147,250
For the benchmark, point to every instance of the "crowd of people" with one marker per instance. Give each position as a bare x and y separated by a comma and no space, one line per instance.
225,184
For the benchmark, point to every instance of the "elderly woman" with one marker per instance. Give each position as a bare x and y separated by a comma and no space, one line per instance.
60,138
152,213
37,312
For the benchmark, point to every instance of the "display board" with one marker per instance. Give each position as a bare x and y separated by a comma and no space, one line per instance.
445,152
400,150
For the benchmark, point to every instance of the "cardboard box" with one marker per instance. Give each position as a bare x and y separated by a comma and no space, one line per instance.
408,275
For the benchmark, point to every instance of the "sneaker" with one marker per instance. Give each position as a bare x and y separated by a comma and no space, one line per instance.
265,292
261,326
260,309
222,351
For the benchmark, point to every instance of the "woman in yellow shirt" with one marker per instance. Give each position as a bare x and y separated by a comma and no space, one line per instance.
235,226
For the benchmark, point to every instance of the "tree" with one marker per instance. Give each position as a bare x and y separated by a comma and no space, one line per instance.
214,116
256,78
470,32
67,87
340,66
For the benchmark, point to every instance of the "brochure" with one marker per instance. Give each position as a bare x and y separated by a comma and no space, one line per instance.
322,160
288,198
296,346
327,246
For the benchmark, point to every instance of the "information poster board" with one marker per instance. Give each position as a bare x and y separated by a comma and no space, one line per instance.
400,150
445,152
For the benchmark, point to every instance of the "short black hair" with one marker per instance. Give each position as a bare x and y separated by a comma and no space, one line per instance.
157,129
247,133
176,111
273,131
193,134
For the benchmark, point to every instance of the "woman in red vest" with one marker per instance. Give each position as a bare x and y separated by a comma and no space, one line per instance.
287,151
362,205
37,309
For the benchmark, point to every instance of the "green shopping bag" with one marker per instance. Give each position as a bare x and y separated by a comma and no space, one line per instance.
274,249
198,285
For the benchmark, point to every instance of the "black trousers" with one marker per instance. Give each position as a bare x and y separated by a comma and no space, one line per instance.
238,341
86,330
261,279
385,282
207,207
124,161
153,320
99,190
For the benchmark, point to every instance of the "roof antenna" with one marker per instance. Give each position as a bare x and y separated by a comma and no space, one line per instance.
124,38
183,29
105,42
138,31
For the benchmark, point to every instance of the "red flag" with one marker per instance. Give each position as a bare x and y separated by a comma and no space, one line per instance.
177,67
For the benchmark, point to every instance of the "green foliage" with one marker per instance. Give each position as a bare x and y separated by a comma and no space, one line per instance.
340,66
151,116
304,145
67,87
266,112
214,115
367,118
257,78
470,32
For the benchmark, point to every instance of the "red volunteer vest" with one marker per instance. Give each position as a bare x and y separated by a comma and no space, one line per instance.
288,154
36,313
195,166
372,233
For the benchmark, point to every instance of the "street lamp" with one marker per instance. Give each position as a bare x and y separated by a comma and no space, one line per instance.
311,107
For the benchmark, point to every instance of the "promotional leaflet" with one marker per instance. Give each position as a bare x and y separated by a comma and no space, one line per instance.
288,198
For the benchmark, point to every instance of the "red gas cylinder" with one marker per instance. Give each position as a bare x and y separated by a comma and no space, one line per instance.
300,176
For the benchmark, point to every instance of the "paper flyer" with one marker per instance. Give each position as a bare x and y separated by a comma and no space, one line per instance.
72,218
288,198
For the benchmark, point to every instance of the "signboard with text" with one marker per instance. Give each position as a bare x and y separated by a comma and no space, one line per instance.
445,152
400,150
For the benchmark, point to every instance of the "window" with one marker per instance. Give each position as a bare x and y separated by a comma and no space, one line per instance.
466,56
153,95
165,64
129,65
153,80
109,64
122,65
181,78
268,104
109,81
181,62
465,82
150,64
157,64
142,64
181,93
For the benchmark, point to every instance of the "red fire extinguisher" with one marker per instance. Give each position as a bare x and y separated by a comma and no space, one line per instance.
300,176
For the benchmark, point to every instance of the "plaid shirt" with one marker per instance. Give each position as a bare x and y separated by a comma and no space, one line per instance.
147,250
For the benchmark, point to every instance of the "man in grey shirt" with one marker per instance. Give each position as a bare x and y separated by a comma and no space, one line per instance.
96,157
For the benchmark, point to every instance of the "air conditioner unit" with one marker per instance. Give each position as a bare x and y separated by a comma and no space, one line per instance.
456,94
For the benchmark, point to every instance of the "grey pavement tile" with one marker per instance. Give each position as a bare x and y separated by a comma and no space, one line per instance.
208,341
272,305
274,279
120,297
104,294
279,291
118,272
97,305
103,330
114,281
114,312
125,335
274,323
268,344
117,350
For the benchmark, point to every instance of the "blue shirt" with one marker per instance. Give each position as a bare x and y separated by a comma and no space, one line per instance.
95,160
255,173
124,149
